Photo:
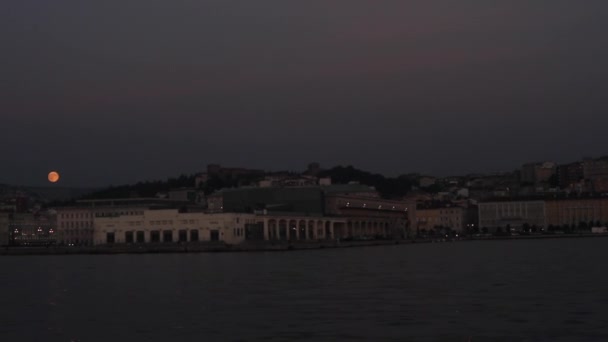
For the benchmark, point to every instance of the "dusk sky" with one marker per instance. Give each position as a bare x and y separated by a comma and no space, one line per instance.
112,92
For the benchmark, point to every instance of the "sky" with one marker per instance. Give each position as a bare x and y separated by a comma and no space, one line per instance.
119,91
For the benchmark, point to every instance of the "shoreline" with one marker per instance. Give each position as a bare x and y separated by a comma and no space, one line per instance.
261,246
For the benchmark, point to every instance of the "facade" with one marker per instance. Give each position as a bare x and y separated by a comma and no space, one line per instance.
512,215
27,229
427,181
536,173
190,195
395,216
287,181
170,226
306,200
453,218
569,175
360,206
594,168
75,225
4,223
588,211
215,170
600,184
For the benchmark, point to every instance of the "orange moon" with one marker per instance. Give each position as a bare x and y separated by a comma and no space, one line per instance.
53,176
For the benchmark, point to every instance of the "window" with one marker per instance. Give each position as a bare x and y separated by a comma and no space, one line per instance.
194,235
140,236
167,236
154,236
129,237
183,235
110,238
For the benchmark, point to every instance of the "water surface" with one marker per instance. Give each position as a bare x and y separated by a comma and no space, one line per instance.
542,290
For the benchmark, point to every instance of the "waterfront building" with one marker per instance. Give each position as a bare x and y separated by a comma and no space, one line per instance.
361,205
451,217
512,215
4,229
577,211
171,226
32,229
75,223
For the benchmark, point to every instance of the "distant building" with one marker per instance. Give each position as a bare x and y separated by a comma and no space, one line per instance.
287,180
313,169
600,184
167,226
325,181
512,215
427,181
215,170
284,199
27,229
189,195
462,192
453,218
200,179
171,226
596,172
75,224
574,211
569,175
595,168
4,229
357,202
537,173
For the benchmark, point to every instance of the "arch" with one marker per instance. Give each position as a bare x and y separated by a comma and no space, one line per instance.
283,230
311,230
328,232
320,230
272,229
293,230
302,234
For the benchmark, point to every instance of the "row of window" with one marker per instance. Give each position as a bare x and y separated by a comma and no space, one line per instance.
81,215
78,232
78,224
161,236
75,215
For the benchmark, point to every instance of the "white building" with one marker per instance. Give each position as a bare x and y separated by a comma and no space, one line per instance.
75,224
169,226
512,214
